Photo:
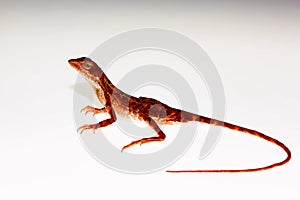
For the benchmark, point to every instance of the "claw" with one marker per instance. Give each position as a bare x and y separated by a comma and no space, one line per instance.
87,127
132,144
143,141
88,109
93,110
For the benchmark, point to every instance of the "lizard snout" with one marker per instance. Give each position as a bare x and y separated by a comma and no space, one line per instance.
74,63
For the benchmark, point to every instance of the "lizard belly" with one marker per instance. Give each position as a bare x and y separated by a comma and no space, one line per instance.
100,96
120,104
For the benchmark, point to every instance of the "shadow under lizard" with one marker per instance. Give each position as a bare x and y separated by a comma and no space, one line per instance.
117,102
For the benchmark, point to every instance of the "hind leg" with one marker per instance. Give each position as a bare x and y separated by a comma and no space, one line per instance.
160,135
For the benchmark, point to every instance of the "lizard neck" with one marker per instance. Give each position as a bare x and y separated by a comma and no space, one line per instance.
103,87
106,85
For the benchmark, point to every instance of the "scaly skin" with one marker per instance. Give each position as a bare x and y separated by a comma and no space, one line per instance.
152,111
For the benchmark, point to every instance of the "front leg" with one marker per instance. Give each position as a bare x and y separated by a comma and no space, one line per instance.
93,110
103,123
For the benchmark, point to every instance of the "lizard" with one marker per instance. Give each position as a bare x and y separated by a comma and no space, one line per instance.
116,102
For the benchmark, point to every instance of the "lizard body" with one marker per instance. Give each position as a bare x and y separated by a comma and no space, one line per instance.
152,111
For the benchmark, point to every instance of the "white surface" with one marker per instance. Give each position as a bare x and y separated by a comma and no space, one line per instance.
254,47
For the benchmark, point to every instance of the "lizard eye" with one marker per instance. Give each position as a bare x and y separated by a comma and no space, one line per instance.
87,65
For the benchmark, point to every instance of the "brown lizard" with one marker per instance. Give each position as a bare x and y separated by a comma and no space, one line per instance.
117,102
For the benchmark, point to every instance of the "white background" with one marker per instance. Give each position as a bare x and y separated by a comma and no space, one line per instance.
255,47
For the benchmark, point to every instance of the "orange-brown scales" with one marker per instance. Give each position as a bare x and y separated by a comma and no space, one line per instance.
149,110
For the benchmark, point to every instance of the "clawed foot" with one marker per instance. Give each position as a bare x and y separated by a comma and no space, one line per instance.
87,127
131,144
141,141
93,110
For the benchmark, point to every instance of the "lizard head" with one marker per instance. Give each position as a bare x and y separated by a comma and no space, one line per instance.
87,68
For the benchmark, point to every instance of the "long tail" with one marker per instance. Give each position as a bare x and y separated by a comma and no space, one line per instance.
193,117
